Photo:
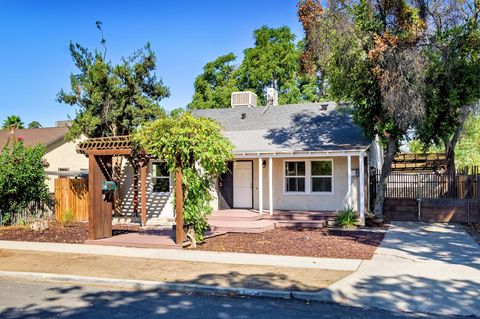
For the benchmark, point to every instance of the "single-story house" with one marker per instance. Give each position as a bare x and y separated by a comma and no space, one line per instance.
301,157
60,155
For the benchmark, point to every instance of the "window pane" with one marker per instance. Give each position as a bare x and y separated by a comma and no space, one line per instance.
295,184
321,184
290,169
161,185
300,168
295,169
159,169
291,184
322,168
301,184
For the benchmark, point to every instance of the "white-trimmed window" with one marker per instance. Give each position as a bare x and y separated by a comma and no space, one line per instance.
295,174
160,177
321,176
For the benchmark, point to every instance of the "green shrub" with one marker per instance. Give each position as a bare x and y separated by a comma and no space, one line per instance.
22,179
346,218
68,216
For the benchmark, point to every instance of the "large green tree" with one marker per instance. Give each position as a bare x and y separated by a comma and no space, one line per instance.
215,85
13,121
371,55
112,99
453,86
273,61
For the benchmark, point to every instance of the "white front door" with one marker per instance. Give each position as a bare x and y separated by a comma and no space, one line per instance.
242,184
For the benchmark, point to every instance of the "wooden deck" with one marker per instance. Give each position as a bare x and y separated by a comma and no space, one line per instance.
154,238
252,221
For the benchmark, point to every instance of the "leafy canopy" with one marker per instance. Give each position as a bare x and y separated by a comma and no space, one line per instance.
34,124
214,86
112,99
22,178
197,147
453,87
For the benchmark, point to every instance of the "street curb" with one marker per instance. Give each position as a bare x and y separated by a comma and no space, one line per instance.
141,285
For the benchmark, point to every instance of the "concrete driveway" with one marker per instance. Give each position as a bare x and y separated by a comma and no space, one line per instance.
419,267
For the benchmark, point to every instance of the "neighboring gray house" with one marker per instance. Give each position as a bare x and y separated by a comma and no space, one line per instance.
303,157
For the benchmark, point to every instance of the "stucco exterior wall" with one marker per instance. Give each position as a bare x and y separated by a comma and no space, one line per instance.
159,205
63,154
283,201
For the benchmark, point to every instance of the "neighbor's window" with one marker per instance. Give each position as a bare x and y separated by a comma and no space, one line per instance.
295,176
322,176
160,178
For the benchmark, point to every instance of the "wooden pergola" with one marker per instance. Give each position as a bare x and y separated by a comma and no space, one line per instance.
100,152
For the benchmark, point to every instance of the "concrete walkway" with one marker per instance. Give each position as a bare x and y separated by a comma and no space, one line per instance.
189,255
419,267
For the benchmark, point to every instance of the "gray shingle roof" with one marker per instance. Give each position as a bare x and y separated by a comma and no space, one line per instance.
288,128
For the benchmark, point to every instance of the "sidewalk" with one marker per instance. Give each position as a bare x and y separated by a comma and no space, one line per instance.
189,255
419,267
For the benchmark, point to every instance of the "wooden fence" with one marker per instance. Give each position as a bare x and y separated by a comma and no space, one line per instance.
71,199
431,196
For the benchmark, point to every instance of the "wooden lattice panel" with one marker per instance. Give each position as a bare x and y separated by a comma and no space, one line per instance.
419,162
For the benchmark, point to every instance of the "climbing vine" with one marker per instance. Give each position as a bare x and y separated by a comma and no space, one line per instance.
197,147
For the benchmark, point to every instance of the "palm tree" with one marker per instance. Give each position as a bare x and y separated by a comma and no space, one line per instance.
13,121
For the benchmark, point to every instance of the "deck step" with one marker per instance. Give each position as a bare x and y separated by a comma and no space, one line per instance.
301,224
242,226
303,217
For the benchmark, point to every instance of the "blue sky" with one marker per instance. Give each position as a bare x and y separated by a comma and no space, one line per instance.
35,63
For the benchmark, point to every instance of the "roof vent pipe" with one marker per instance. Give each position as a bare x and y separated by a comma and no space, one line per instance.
272,97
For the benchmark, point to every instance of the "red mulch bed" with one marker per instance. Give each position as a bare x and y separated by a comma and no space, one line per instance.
311,243
73,233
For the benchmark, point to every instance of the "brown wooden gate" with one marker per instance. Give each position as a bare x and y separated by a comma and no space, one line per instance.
71,198
429,196
443,210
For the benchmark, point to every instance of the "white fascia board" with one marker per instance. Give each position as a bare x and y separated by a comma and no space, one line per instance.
300,154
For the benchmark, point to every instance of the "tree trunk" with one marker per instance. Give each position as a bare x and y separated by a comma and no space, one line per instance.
390,153
450,149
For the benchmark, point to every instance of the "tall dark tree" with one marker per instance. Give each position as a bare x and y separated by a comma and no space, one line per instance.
112,99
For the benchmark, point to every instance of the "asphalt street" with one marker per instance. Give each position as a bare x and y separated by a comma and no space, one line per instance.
40,299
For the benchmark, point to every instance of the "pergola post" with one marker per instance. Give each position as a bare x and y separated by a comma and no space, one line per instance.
179,233
100,208
143,181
